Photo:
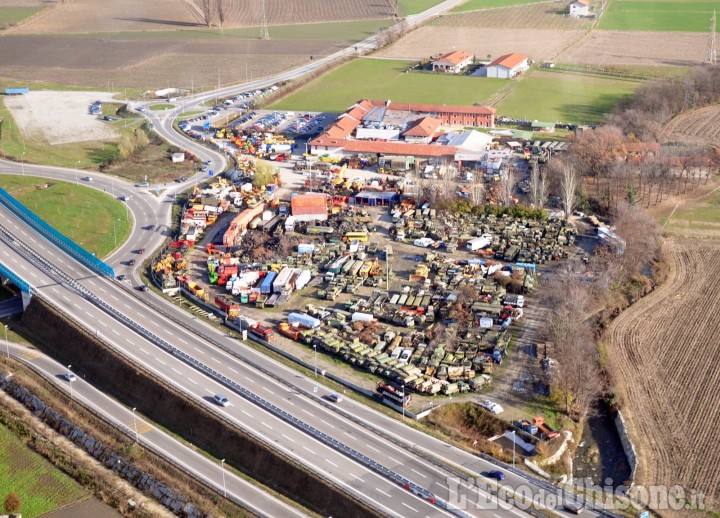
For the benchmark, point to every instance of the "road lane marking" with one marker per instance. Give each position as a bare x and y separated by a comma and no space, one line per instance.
372,448
160,361
331,462
325,422
308,449
383,492
213,359
233,370
416,471
143,350
175,370
307,411
129,341
103,323
355,476
193,381
411,508
248,379
115,331
77,305
113,297
271,392
392,459
246,413
265,424
198,350
67,299
180,340
288,438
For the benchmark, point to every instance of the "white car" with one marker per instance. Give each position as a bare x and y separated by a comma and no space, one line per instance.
335,398
88,179
70,376
221,400
492,407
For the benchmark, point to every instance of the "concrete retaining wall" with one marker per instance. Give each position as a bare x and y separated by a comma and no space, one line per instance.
627,445
173,500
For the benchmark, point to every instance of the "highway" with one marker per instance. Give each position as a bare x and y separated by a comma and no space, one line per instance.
236,488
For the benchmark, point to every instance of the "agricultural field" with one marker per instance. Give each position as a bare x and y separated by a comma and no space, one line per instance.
242,13
700,127
40,486
638,49
387,79
474,5
563,97
9,16
543,15
432,40
408,7
673,421
83,214
658,15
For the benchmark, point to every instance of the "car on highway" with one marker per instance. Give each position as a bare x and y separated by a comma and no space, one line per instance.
143,184
150,227
69,376
496,474
121,277
88,178
221,400
572,507
131,262
125,197
335,398
143,287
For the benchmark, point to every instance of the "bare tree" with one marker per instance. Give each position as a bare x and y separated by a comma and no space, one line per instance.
207,12
539,186
568,188
477,193
508,184
220,6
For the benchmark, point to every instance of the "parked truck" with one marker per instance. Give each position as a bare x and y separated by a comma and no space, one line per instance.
261,332
548,432
478,243
267,285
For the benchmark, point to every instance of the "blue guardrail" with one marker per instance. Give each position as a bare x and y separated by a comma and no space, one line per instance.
53,235
12,276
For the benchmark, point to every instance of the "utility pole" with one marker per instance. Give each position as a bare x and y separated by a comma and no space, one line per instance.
135,423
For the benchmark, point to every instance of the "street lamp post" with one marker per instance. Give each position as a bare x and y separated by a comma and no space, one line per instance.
513,432
315,358
76,172
403,401
135,424
222,467
70,381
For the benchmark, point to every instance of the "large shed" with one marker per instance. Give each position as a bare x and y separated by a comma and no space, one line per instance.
374,198
309,207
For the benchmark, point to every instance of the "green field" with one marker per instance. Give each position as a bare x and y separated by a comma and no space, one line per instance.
551,96
658,15
416,6
11,15
342,31
379,79
83,214
472,5
40,486
696,218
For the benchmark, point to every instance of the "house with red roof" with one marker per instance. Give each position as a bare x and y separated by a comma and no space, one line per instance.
507,66
579,8
452,62
309,207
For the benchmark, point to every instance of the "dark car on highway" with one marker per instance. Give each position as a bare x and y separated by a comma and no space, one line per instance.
496,474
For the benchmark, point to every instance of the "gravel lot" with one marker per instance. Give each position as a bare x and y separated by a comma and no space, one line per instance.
59,117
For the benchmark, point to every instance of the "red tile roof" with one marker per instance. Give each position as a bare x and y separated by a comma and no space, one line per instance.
455,57
437,108
425,127
509,60
388,148
584,2
304,204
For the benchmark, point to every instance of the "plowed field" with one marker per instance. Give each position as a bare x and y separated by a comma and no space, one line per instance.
665,351
700,126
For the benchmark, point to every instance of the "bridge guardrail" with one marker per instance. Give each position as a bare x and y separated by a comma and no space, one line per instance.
53,235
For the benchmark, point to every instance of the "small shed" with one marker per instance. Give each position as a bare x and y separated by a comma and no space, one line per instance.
507,66
178,157
309,207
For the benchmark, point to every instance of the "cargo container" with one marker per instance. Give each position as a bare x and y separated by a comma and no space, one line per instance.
281,281
267,285
479,242
306,248
362,317
304,320
302,279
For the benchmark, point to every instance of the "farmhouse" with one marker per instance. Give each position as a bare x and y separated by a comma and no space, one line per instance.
579,8
452,62
507,66
401,129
